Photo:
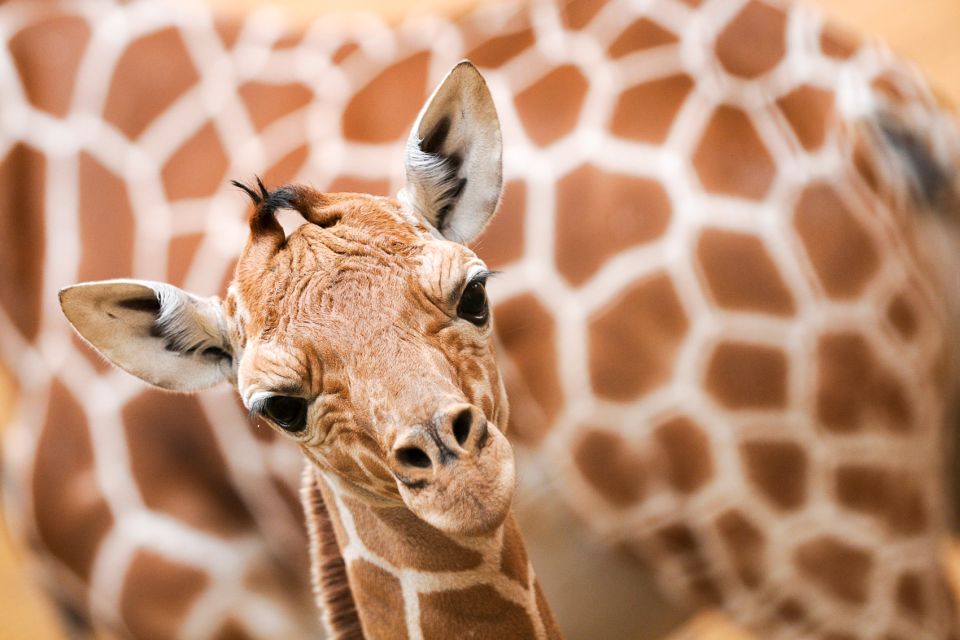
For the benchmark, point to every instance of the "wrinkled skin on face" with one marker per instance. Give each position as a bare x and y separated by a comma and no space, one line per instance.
364,334
358,317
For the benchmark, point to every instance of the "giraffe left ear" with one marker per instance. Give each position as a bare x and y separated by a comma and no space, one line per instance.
454,156
159,333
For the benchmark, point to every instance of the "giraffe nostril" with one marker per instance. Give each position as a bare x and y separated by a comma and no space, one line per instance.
413,457
461,426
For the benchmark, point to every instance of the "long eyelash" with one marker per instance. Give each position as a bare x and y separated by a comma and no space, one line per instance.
484,275
256,407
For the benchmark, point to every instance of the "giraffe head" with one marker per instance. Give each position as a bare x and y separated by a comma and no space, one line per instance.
364,334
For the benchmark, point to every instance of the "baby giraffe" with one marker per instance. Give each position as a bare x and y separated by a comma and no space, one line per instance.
365,336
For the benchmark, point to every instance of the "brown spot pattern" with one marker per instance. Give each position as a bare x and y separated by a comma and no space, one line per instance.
403,86
865,164
578,13
600,214
22,226
343,52
679,539
178,466
641,34
902,317
632,342
71,513
754,41
404,540
747,376
837,44
157,594
487,614
910,595
687,449
778,470
513,555
267,103
839,636
290,500
731,159
496,52
184,177
705,590
841,251
838,568
288,167
106,220
892,498
550,624
559,93
745,544
47,54
647,111
808,111
379,599
853,389
231,630
791,611
740,274
612,466
355,184
527,332
180,254
502,241
152,73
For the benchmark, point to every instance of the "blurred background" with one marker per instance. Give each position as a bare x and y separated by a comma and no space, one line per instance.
925,31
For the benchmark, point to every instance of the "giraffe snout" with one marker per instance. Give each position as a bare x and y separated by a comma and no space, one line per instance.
455,433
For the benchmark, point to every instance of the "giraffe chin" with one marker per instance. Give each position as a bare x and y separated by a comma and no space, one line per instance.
473,496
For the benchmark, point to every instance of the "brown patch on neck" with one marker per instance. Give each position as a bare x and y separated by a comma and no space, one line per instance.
478,608
331,586
513,555
403,540
380,601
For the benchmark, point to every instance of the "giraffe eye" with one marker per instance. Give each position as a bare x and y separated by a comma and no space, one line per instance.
473,303
288,413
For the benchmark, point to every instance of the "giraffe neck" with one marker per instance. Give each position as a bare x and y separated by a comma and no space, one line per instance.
383,570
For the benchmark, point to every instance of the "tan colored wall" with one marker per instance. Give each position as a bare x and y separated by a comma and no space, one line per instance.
923,30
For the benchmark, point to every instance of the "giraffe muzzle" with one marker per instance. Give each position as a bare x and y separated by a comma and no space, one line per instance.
455,433
456,471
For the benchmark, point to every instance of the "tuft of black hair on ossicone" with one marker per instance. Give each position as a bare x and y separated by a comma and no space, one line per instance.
266,203
257,198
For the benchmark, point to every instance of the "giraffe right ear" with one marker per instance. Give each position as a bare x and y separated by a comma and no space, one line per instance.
159,333
454,156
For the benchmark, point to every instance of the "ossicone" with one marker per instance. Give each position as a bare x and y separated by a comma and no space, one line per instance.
308,202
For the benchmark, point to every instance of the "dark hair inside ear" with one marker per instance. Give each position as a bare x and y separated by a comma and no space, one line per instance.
148,305
432,143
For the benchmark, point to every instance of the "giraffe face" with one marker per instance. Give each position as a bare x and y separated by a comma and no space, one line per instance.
367,339
364,334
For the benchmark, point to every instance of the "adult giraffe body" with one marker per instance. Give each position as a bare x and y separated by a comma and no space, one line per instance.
769,438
